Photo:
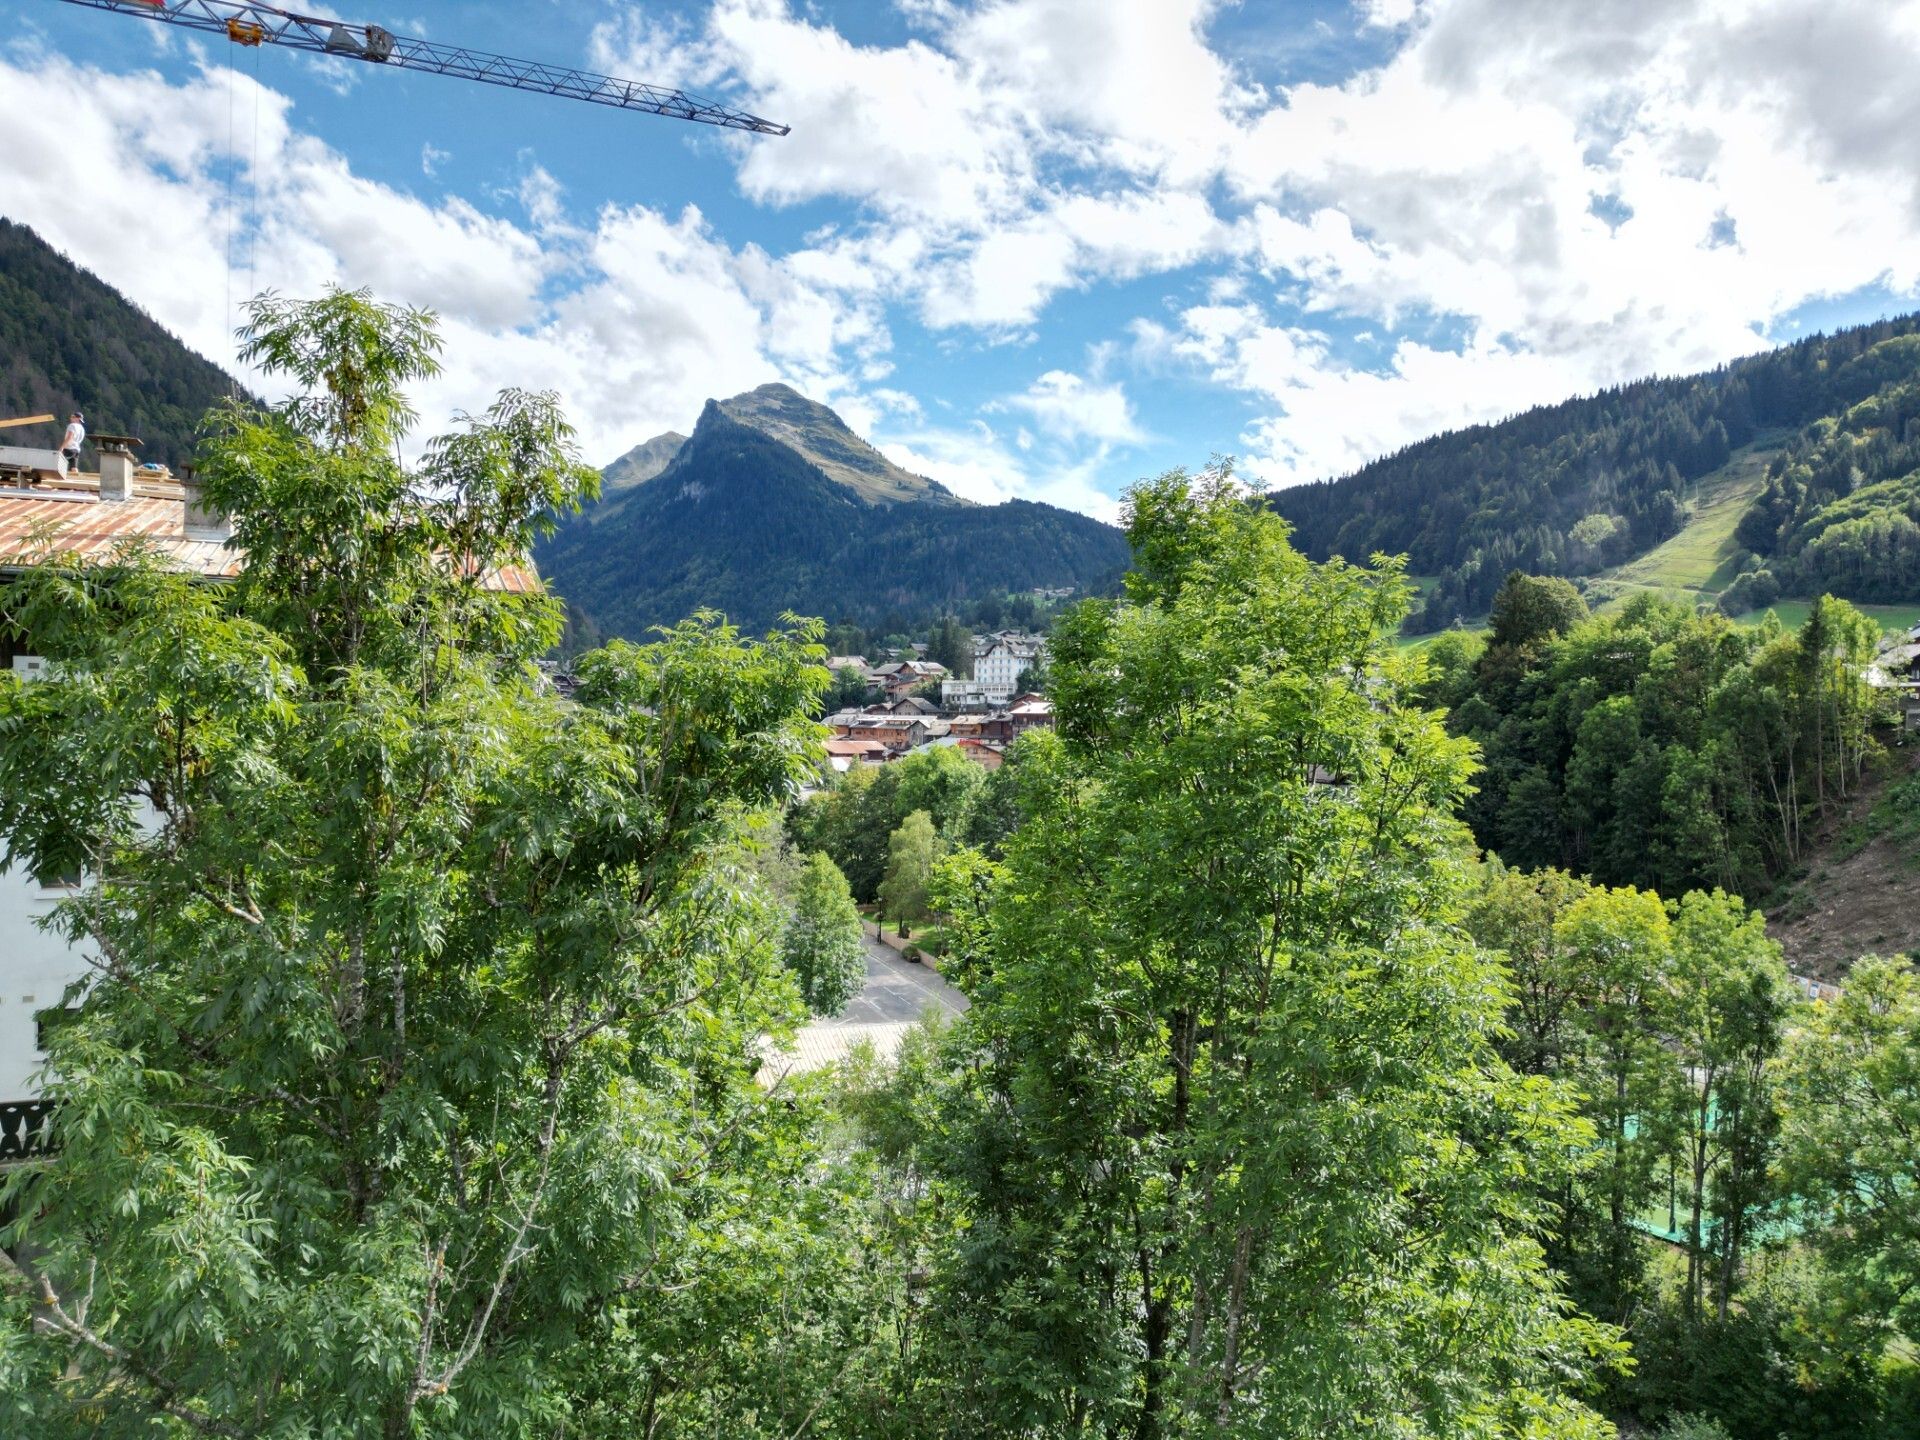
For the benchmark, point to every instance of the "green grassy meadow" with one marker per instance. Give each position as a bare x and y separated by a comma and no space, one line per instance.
1700,561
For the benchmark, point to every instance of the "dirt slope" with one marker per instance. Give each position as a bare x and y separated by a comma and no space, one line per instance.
1861,893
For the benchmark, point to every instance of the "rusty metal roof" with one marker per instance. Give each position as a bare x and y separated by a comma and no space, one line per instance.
73,521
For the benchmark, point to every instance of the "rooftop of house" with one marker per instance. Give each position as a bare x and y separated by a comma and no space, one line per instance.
855,748
65,516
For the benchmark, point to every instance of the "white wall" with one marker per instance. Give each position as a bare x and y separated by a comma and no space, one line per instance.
35,969
36,966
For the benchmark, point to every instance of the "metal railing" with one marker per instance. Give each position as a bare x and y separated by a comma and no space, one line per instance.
24,1128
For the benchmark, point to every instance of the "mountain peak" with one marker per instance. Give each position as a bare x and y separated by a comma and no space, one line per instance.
825,441
642,463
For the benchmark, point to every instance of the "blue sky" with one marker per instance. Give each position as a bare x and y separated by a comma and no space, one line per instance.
1030,247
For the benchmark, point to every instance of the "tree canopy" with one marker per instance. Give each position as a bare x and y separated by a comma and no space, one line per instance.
1226,1039
418,1046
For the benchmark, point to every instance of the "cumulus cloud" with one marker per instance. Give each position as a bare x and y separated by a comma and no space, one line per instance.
1505,205
949,143
974,462
1460,179
657,312
1069,407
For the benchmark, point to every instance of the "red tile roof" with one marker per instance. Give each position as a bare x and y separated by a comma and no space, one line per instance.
74,522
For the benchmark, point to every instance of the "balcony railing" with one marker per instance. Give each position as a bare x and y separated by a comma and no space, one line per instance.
24,1128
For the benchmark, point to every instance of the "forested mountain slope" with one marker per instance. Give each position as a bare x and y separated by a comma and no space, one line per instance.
1574,488
774,505
70,341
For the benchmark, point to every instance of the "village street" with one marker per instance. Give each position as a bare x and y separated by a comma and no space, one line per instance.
894,998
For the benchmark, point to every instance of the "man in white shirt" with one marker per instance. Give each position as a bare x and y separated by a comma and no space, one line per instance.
70,444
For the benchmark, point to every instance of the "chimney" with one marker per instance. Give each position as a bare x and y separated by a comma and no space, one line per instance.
116,466
202,520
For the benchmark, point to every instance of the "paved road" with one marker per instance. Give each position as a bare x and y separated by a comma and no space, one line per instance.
894,998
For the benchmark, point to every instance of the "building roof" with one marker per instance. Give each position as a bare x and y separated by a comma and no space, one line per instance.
904,668
71,520
855,748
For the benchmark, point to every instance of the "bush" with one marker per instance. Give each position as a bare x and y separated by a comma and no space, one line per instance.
1743,1376
1753,590
1692,1427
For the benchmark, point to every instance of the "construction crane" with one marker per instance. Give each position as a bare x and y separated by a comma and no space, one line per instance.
253,25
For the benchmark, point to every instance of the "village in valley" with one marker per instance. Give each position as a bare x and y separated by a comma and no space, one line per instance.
915,702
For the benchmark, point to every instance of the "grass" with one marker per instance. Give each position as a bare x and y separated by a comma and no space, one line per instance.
1700,561
1793,614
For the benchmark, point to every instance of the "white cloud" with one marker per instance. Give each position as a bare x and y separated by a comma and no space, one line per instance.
974,462
1070,408
657,314
432,158
1458,181
1752,155
946,145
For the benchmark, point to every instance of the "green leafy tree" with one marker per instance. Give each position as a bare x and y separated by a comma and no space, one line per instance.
1723,1014
1037,678
996,811
1530,609
854,818
1850,1097
941,781
849,690
417,1052
1516,914
1227,1039
1665,749
850,821
912,852
1622,941
821,943
950,643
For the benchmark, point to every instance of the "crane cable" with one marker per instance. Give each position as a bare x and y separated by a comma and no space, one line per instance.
226,312
228,315
253,184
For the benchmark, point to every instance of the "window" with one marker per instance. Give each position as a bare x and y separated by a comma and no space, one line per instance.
47,1022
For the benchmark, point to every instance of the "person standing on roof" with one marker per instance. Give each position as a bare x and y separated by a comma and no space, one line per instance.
70,443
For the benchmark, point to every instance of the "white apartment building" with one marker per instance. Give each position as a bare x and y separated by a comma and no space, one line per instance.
999,660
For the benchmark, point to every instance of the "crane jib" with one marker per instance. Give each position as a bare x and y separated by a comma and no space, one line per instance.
253,24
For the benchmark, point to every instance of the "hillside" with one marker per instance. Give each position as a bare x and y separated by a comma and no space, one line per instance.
69,341
1591,485
1856,895
773,504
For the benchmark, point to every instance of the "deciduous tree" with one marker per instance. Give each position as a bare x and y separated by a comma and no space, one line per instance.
912,852
1233,1142
1850,1096
418,1044
821,943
